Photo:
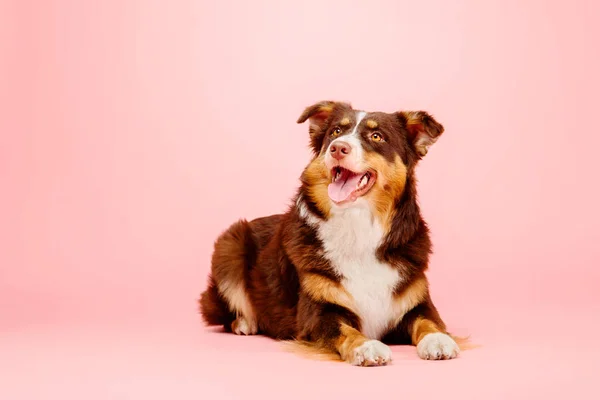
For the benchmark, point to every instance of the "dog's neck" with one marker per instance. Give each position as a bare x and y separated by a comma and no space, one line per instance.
406,221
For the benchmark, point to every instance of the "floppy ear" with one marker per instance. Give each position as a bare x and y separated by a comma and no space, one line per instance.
423,129
318,115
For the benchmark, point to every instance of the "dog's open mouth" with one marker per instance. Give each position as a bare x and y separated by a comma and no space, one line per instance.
347,185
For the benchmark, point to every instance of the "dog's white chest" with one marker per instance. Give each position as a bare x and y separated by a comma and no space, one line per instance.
350,238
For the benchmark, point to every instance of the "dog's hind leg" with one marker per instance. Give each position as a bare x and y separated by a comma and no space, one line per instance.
226,301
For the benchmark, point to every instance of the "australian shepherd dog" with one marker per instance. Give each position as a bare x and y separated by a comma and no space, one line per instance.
343,270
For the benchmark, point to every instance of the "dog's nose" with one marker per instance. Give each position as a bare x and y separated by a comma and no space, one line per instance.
339,150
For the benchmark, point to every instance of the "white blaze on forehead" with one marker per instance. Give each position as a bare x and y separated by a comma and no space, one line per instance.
360,115
355,159
354,138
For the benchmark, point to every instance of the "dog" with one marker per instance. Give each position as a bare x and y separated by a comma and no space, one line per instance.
343,270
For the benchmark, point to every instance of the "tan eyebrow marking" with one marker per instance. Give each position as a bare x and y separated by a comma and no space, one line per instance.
345,121
372,124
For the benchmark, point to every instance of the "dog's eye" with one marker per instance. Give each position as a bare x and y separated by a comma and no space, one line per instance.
336,131
376,137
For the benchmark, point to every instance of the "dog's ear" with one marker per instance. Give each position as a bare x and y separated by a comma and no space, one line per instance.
317,114
423,129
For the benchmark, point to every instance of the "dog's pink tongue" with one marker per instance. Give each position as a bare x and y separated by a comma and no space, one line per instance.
341,189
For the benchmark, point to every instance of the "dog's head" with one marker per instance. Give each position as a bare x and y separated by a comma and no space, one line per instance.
363,156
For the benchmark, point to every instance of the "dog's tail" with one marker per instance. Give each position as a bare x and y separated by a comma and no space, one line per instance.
310,350
464,342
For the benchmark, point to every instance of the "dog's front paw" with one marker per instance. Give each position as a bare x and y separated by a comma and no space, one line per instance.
437,346
371,353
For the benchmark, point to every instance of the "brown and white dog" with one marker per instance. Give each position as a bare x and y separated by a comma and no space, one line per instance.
344,269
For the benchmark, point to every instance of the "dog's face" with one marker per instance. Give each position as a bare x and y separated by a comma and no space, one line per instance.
363,156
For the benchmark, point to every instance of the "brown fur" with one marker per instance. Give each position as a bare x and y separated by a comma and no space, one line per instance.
326,290
316,178
388,187
271,273
348,339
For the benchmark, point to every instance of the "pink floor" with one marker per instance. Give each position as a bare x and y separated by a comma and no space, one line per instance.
531,359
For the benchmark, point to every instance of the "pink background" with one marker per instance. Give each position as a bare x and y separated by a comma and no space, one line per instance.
133,132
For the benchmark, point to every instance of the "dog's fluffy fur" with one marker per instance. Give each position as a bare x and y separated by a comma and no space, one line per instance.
343,271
